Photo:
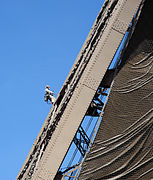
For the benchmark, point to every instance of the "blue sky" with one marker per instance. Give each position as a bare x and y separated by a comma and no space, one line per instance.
39,41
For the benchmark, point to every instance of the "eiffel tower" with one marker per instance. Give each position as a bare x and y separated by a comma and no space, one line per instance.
101,124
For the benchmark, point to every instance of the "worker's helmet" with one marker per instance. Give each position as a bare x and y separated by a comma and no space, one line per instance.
47,86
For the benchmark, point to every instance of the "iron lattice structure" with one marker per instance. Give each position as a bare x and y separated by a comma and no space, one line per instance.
115,61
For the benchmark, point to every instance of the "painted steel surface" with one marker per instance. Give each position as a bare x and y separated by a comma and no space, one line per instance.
78,90
123,147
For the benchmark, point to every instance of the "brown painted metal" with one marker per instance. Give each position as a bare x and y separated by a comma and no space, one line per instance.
123,147
50,158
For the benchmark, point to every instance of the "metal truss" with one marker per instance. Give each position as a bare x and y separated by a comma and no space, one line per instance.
82,88
96,108
81,140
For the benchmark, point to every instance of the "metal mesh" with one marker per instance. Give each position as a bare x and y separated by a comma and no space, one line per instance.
123,147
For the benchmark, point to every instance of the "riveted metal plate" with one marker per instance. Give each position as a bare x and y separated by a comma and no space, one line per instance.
109,42
120,26
64,133
92,83
84,93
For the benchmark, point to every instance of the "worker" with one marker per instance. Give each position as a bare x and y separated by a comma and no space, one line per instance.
49,95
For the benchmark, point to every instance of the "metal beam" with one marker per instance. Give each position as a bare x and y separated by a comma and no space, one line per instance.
78,91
